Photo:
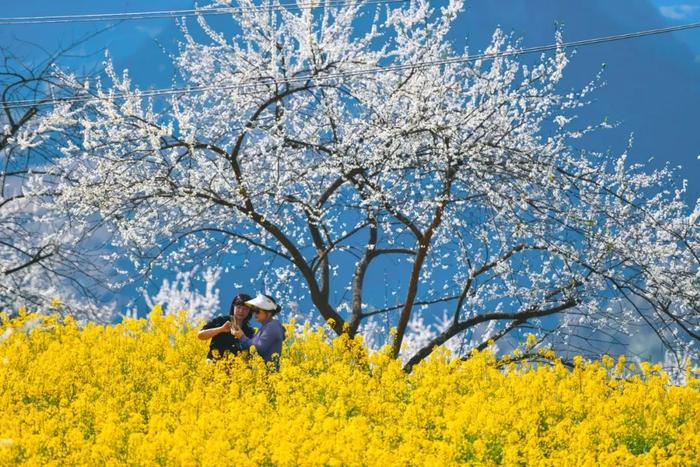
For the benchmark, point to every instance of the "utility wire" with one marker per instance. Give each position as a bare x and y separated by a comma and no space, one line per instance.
363,71
180,13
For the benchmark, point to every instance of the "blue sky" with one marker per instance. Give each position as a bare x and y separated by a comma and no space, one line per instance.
675,12
652,90
678,11
652,84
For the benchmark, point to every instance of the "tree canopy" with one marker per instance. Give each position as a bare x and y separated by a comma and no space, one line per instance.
48,259
331,140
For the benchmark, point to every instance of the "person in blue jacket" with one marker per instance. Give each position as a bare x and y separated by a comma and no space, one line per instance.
268,340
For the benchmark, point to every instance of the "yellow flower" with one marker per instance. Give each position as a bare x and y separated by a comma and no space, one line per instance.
531,341
607,361
141,392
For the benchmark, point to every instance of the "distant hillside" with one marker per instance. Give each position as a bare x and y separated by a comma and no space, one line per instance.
653,83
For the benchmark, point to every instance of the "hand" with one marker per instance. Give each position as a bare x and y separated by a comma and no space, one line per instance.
226,327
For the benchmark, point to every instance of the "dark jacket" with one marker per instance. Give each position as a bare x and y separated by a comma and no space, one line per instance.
225,342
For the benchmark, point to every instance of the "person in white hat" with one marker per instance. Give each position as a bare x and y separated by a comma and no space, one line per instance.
268,340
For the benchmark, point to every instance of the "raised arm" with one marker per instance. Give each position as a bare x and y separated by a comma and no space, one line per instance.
205,334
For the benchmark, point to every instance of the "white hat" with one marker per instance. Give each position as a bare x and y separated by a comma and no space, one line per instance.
263,302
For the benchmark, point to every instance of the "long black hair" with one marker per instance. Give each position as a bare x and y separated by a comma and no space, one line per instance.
240,299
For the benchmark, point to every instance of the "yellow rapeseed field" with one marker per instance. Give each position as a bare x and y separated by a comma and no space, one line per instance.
142,393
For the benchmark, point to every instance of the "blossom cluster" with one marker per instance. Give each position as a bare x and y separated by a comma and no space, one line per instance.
331,143
141,392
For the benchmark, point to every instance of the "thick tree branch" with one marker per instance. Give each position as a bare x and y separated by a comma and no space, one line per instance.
421,254
522,316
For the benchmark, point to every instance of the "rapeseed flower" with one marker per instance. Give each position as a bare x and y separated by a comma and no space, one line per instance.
141,392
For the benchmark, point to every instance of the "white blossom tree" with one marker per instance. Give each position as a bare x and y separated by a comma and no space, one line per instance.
330,146
49,262
182,294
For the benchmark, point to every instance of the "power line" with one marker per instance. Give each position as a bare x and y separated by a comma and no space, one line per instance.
365,71
179,13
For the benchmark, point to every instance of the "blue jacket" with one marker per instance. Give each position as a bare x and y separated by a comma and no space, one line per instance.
267,341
